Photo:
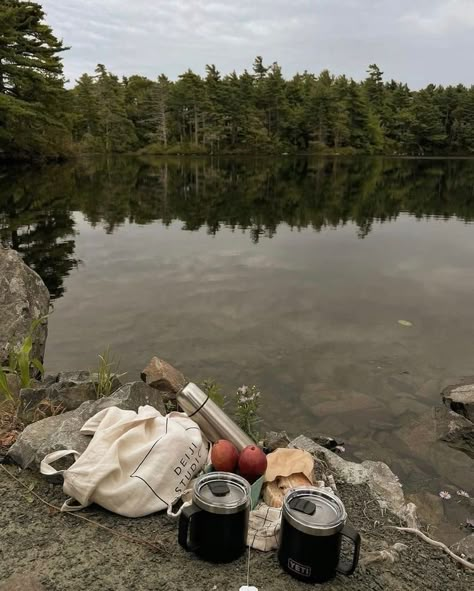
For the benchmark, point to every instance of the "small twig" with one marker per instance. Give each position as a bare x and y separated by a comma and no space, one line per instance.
366,504
420,534
133,539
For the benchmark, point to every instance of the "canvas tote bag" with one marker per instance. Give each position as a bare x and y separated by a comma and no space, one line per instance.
136,463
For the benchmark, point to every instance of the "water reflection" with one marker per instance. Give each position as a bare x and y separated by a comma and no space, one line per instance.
37,205
36,220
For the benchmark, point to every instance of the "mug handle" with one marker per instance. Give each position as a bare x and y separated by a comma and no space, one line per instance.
344,567
184,522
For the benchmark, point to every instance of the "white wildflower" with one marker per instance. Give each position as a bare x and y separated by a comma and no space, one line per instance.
242,391
445,495
462,493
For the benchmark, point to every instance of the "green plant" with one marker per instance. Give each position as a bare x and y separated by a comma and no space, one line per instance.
214,391
5,389
20,363
106,374
247,409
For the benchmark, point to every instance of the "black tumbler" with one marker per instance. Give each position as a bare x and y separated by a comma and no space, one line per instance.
215,525
313,524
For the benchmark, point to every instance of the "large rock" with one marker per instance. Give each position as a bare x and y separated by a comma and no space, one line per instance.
162,376
69,389
460,398
63,431
456,430
23,299
383,483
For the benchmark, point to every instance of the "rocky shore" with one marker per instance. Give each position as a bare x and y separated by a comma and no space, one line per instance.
41,548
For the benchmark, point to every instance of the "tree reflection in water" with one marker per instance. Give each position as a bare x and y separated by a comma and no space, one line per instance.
37,204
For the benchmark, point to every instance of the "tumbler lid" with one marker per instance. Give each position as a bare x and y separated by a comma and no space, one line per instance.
314,511
221,492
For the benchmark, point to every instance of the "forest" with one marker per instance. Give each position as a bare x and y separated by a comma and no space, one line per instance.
256,111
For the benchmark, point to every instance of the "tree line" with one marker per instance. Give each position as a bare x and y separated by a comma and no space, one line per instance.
258,110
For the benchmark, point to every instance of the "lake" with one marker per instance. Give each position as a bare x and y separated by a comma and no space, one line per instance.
288,273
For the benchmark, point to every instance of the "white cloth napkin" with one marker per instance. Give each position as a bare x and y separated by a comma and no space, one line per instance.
264,527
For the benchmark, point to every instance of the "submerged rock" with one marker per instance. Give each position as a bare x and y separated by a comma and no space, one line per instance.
23,298
63,431
460,398
430,507
69,389
162,376
455,429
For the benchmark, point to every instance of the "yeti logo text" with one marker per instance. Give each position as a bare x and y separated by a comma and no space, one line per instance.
300,569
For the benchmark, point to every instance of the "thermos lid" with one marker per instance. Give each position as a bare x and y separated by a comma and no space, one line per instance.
221,492
314,511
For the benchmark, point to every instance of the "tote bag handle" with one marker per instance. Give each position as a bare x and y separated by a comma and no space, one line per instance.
47,470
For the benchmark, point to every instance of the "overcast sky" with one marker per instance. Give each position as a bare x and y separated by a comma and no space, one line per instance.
415,41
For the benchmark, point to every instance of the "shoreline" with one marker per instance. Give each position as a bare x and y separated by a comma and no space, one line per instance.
5,160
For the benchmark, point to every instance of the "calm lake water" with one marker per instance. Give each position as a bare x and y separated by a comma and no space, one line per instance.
291,274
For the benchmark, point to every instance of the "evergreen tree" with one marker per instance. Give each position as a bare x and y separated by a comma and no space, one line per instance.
115,128
160,108
215,109
427,127
375,90
139,107
85,117
32,97
189,97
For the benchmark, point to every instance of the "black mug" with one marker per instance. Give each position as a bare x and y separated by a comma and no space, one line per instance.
215,525
313,524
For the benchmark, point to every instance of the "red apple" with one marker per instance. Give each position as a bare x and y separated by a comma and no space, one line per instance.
252,463
224,456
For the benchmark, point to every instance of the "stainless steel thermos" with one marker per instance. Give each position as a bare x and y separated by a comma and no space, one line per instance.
215,525
313,524
212,420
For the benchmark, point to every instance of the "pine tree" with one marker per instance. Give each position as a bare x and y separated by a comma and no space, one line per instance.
85,111
375,90
138,91
116,131
189,94
32,97
214,125
427,127
160,99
